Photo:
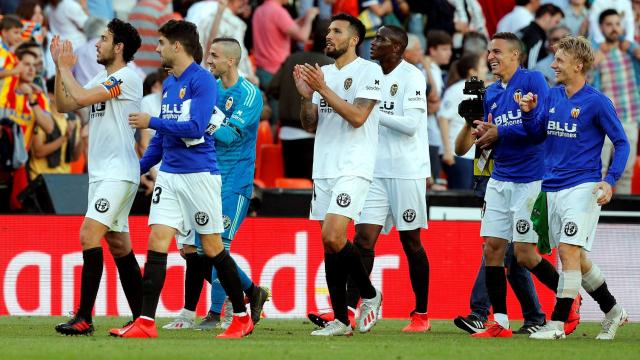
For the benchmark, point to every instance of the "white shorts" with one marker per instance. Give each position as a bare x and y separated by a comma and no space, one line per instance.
506,213
396,202
188,201
110,202
573,216
342,196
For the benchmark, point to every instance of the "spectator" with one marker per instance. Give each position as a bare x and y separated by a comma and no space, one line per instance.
10,38
326,7
440,16
439,54
617,75
622,7
273,30
576,18
519,17
25,105
35,48
343,6
636,17
87,67
474,43
468,17
147,17
32,17
203,14
534,35
372,14
297,144
66,19
150,104
53,153
459,169
544,65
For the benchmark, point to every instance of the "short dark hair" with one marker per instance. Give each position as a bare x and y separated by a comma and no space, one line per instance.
184,32
24,47
436,38
511,38
124,33
522,2
354,23
10,22
400,35
21,54
604,14
548,9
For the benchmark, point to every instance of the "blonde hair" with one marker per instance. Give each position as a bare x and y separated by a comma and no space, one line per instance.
579,48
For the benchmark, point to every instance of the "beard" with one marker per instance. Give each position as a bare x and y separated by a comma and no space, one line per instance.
336,52
106,61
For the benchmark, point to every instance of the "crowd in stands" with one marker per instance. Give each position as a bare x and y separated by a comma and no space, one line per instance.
448,42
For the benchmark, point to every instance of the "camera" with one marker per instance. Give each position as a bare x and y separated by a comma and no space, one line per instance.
472,109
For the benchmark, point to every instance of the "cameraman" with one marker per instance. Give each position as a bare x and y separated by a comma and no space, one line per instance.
459,169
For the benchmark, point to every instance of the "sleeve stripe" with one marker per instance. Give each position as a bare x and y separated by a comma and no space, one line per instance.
251,93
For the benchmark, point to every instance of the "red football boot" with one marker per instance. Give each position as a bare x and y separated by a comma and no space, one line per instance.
494,330
321,319
241,326
140,329
419,323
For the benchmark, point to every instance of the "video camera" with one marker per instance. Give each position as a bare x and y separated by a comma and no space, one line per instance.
473,109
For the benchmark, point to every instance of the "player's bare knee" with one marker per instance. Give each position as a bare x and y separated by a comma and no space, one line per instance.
211,244
365,241
494,251
569,256
332,241
90,236
526,255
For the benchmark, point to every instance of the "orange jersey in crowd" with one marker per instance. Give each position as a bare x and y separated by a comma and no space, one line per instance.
15,106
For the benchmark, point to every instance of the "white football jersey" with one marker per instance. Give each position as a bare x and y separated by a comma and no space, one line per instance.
340,149
112,153
401,156
452,97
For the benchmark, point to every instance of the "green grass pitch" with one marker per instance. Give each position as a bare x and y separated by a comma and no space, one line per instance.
34,338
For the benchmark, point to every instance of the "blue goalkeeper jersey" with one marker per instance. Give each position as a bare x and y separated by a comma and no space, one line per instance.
574,129
236,138
199,86
516,158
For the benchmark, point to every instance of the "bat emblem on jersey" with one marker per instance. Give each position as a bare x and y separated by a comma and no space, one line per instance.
575,112
182,92
517,95
347,83
229,103
394,90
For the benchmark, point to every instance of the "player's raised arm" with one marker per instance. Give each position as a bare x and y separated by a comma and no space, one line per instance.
308,110
355,114
79,96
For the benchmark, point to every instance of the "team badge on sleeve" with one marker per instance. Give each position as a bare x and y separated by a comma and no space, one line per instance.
113,86
183,92
575,112
517,96
347,83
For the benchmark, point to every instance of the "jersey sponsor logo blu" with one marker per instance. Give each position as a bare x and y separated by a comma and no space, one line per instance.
409,215
522,226
570,228
226,222
508,119
102,205
555,128
347,83
343,200
183,92
202,218
394,90
229,103
387,106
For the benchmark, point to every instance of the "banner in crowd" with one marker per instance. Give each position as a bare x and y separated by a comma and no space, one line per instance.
41,260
